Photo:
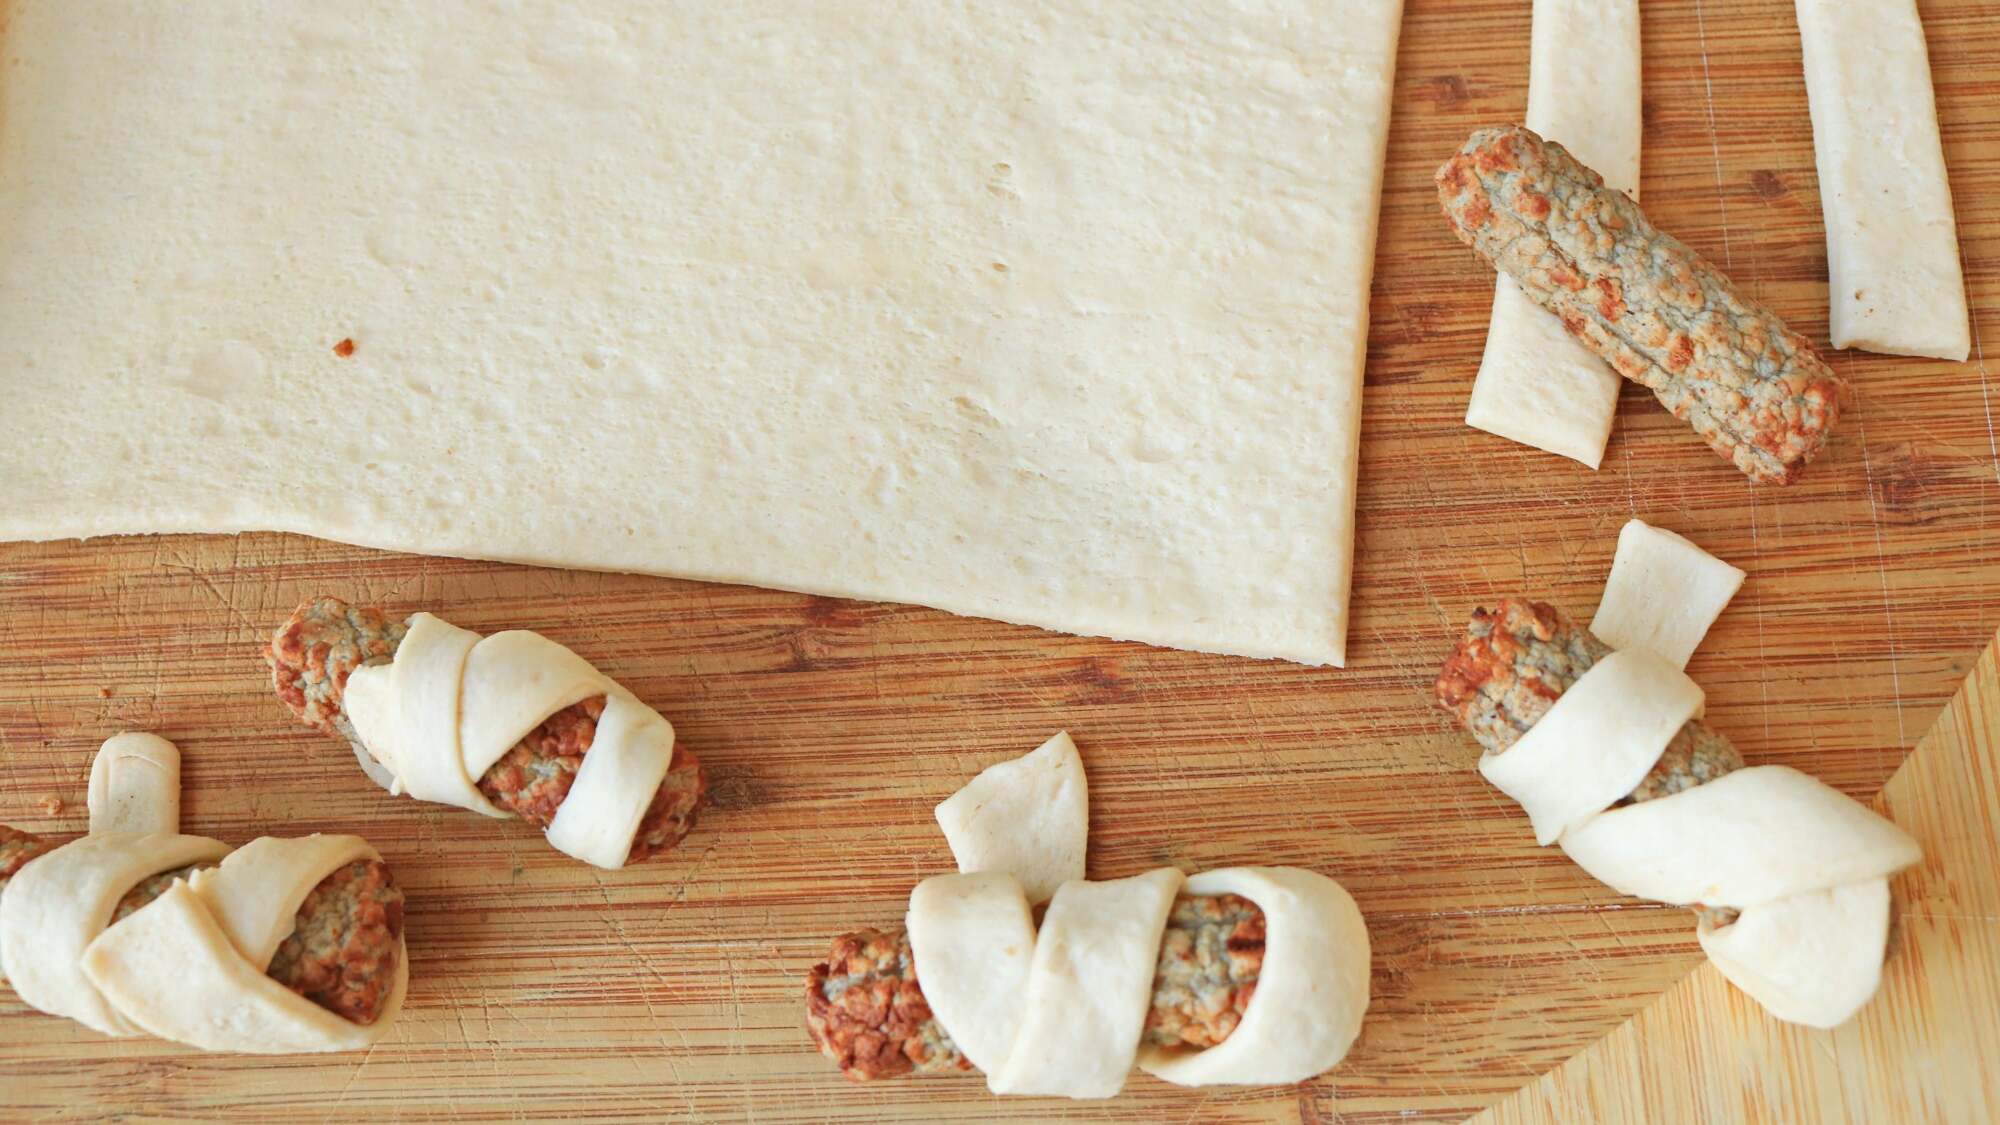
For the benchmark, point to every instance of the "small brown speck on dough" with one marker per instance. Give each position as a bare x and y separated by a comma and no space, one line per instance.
345,348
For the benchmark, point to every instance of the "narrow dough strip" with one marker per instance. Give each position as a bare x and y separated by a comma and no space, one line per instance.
1814,958
972,937
255,893
1311,993
1663,594
1537,385
1750,837
1089,987
1894,282
1596,743
135,785
627,761
1029,816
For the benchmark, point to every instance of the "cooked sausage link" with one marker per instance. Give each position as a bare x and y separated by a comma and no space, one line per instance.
1657,312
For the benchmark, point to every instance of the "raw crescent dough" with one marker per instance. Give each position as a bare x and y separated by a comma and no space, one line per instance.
1814,958
1311,993
135,785
1894,283
972,938
1029,816
1089,987
174,972
1744,839
1663,595
58,903
1596,743
1536,384
188,966
671,288
452,702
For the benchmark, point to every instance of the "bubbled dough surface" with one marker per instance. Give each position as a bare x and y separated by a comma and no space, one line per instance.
1017,310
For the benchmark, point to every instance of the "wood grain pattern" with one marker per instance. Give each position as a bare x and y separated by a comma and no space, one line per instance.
1923,1051
672,990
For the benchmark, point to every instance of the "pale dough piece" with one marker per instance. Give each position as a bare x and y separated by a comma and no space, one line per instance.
135,785
174,972
58,903
1814,958
452,702
1089,987
1311,992
1663,593
409,713
919,306
1744,839
972,938
1537,385
1029,816
613,788
256,892
1894,283
1596,743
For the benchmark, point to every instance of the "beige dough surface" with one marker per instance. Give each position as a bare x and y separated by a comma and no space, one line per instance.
1041,312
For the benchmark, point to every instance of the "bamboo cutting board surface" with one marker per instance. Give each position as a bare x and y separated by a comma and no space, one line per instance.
542,988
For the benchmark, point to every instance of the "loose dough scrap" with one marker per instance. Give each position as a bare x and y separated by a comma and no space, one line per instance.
1029,816
1046,312
1894,283
1536,384
1663,593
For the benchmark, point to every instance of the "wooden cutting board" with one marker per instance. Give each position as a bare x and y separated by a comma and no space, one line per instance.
673,990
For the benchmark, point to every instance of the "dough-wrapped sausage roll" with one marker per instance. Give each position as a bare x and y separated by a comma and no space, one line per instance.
283,945
1787,876
866,1010
507,724
1657,312
1240,976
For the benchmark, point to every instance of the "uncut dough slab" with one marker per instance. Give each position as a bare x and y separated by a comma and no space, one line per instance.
1021,312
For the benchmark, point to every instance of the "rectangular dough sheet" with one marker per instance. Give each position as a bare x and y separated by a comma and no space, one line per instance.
1045,312
1536,385
1893,280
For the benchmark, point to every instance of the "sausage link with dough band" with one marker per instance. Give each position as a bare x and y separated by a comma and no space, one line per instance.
313,654
866,1009
1657,312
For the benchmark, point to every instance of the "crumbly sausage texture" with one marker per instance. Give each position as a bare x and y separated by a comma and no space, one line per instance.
866,1009
1518,658
326,639
1657,312
345,940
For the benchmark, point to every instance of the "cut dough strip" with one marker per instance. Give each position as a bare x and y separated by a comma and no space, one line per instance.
1537,384
1029,816
189,965
443,714
1790,873
1893,277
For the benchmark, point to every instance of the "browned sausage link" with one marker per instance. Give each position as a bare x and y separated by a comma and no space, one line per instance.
1518,658
345,939
326,639
1657,312
866,1009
